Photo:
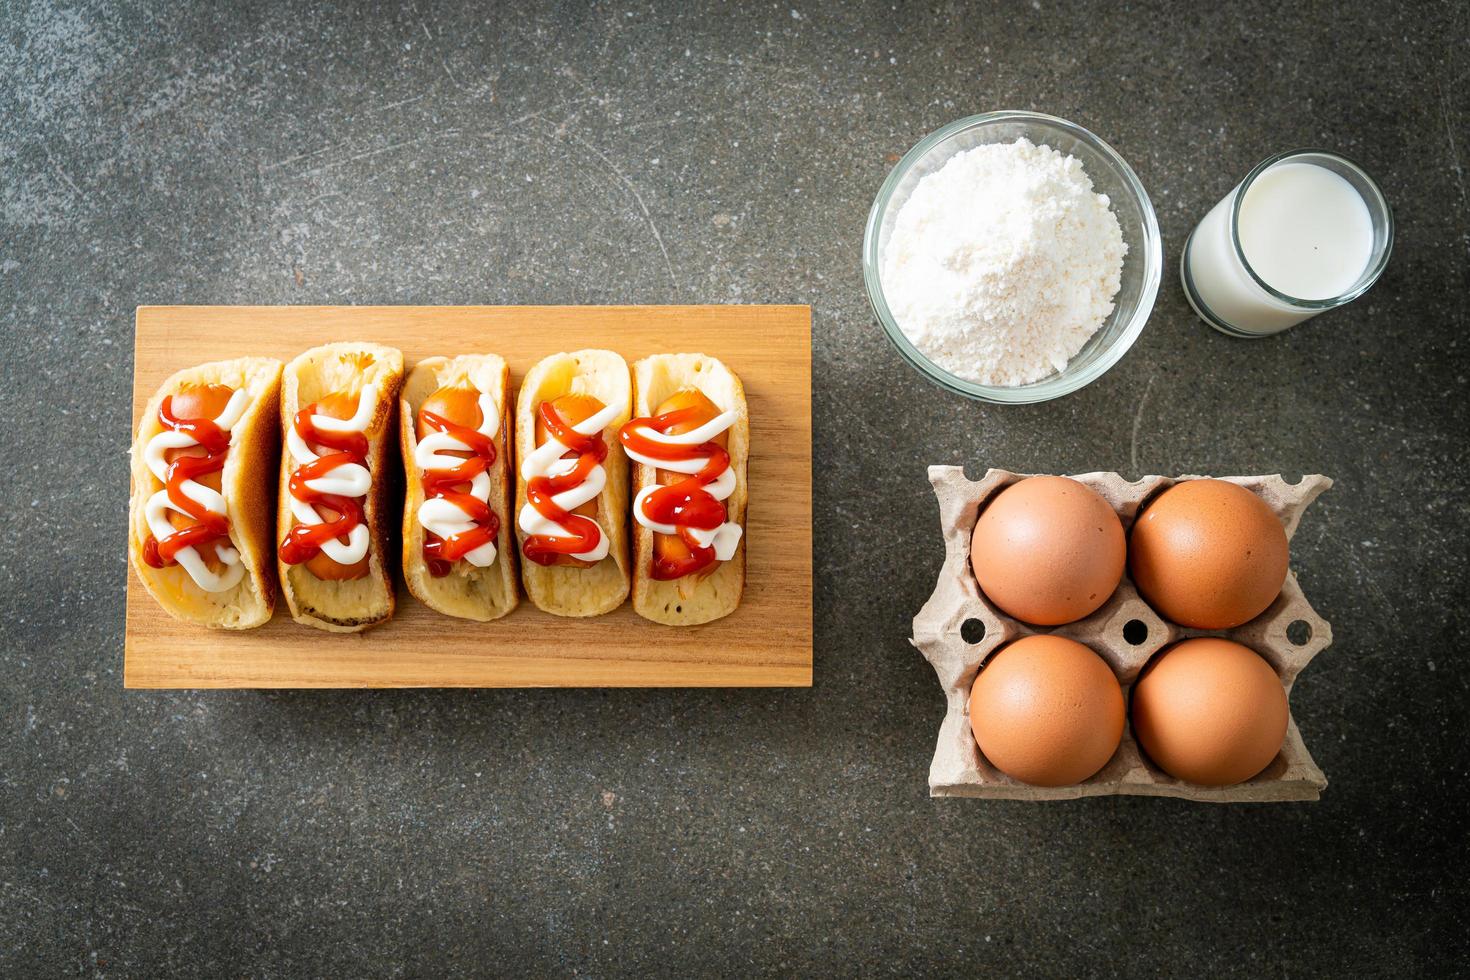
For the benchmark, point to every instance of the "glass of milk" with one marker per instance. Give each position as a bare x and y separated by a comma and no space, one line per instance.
1306,231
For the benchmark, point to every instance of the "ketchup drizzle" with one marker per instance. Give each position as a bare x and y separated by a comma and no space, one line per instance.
303,541
209,526
685,503
441,553
544,549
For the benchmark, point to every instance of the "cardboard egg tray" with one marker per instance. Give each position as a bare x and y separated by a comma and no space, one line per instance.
959,769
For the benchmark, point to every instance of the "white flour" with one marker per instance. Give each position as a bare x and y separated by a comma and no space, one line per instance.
1003,263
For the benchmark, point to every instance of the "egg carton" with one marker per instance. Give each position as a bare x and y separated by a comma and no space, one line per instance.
1126,632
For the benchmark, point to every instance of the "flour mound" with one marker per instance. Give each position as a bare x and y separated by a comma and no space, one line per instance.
1003,263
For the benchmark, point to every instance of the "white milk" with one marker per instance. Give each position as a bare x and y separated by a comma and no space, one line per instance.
1306,232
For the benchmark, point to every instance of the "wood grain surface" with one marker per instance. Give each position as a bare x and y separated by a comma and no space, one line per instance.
767,642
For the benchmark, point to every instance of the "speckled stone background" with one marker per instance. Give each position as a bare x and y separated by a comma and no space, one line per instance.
699,152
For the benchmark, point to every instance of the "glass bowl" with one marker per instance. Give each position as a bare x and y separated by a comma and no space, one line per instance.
1110,175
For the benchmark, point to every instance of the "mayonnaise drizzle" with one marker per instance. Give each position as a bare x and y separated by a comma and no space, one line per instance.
725,538
440,516
155,511
545,460
347,480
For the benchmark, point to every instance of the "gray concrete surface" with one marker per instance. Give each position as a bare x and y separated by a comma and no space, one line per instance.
588,153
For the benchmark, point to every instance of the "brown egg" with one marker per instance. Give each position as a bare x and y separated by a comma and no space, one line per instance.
1208,554
1047,710
1048,550
1210,711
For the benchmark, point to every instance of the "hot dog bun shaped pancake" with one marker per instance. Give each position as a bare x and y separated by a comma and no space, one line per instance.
575,589
467,590
336,373
245,483
693,599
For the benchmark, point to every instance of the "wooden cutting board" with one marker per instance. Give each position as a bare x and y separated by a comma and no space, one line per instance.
767,642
